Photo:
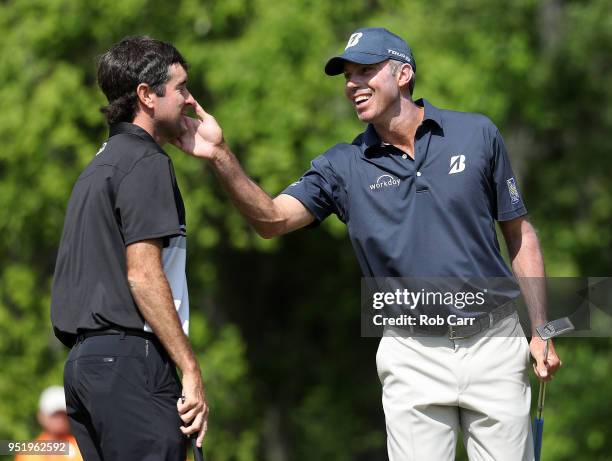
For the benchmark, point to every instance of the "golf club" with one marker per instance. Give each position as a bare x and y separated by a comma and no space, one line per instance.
547,331
198,454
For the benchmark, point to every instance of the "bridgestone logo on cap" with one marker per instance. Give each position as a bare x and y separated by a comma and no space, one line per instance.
354,39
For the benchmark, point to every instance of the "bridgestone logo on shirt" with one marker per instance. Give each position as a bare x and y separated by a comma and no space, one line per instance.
385,181
457,164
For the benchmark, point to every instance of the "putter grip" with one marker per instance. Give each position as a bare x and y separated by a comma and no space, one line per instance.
198,454
538,433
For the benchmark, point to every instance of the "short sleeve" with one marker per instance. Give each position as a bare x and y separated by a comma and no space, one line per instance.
319,190
508,200
147,201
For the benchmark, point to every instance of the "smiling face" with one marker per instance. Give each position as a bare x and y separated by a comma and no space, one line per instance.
170,107
373,90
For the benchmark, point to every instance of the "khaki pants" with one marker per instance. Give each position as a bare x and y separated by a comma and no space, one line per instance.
434,385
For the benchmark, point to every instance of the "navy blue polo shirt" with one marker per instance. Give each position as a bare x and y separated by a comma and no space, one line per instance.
431,216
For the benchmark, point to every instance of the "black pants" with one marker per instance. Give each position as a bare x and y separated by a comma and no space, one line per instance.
121,395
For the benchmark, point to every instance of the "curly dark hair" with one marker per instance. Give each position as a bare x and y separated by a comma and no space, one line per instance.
132,61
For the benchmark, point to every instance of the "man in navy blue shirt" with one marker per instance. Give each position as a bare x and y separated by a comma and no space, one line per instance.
420,191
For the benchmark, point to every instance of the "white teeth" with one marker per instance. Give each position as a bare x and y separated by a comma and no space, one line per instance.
360,99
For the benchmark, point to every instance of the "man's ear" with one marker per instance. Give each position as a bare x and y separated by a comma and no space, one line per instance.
146,95
405,74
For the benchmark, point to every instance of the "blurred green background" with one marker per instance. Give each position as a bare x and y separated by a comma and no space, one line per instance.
276,323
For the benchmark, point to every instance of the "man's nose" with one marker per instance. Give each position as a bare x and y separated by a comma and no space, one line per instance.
190,101
351,83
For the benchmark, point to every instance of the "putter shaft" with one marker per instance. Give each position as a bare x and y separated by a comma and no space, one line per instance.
542,392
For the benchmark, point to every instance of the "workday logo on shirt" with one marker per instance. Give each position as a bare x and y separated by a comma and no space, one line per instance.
386,180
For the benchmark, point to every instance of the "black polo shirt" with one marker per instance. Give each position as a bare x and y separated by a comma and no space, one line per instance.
431,216
126,194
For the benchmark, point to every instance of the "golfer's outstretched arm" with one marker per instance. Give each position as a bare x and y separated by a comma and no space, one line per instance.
528,266
269,217
153,296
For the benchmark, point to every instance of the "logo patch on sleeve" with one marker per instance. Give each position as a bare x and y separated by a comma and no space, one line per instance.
514,195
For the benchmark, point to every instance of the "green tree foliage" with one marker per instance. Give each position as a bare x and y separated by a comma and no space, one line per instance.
276,323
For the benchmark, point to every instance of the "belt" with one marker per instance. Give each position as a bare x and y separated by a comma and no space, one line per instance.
479,324
112,331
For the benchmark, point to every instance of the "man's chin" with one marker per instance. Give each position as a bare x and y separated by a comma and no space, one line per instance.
364,117
173,131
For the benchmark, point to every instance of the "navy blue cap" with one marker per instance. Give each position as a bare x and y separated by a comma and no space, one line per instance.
371,45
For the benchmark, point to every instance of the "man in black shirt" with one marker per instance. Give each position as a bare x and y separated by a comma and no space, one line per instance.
120,294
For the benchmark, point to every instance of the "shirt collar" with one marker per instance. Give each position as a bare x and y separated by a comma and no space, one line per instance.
130,128
371,139
431,112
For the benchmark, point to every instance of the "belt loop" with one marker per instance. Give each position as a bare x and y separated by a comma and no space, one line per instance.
122,336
